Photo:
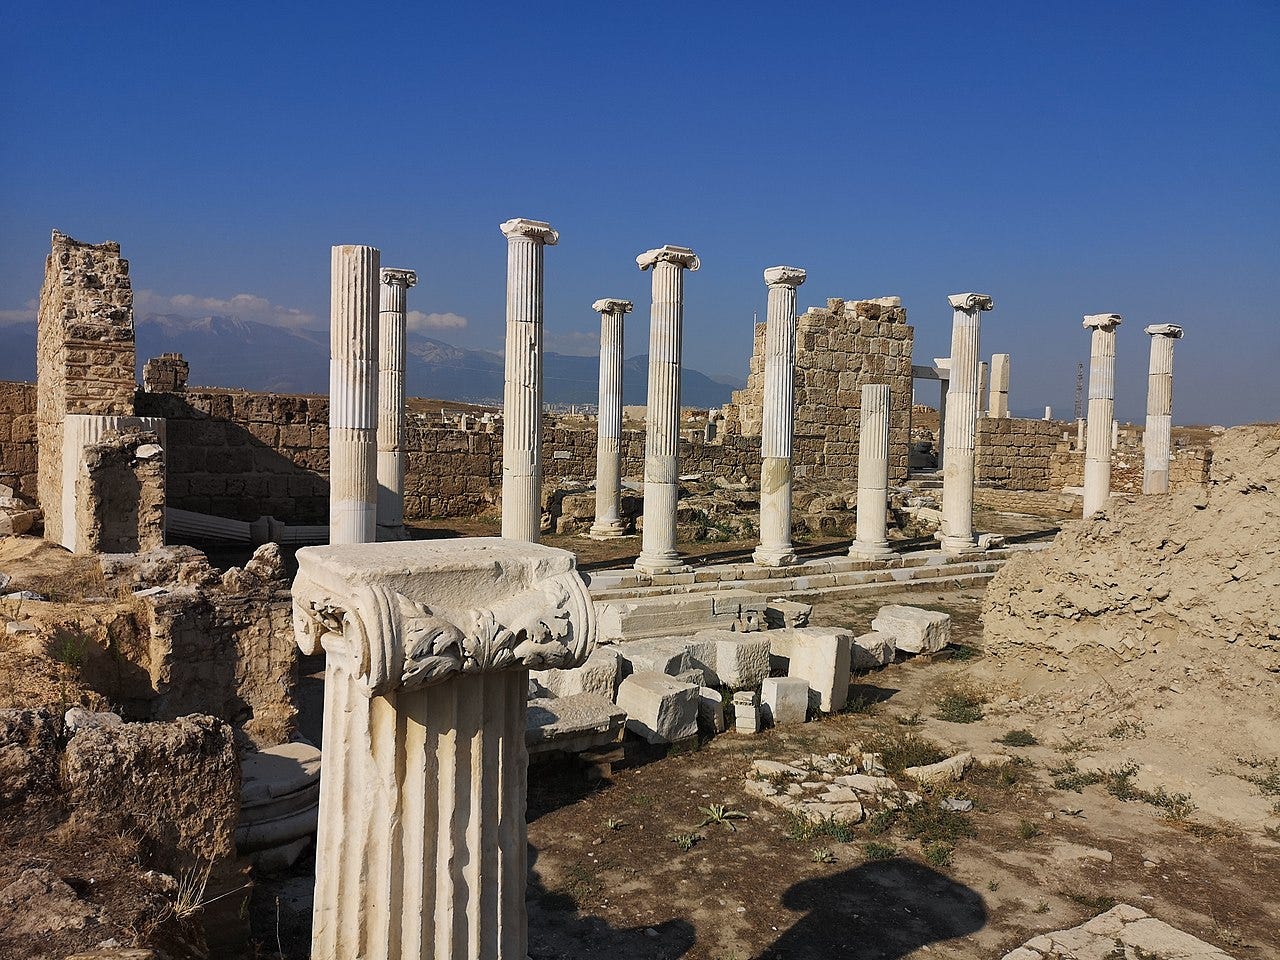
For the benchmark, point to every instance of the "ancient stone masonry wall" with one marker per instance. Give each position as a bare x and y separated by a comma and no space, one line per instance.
119,495
839,348
18,437
166,373
1016,454
1190,467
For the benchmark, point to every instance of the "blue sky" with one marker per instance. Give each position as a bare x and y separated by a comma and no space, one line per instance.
1067,158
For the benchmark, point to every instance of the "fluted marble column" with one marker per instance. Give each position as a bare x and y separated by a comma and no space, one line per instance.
353,394
998,408
421,846
873,474
662,424
1156,435
391,357
522,391
1102,406
778,424
608,522
962,419
984,376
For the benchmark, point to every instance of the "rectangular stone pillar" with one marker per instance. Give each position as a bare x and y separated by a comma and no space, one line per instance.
391,360
1156,437
984,377
962,421
421,847
999,406
1102,405
608,522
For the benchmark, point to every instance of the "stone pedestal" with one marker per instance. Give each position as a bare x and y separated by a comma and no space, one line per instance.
522,392
962,419
608,522
1102,405
873,474
421,848
391,356
1156,436
999,406
778,423
353,394
662,428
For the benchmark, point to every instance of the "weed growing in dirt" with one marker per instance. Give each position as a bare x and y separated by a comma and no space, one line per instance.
1126,729
822,855
68,646
1019,738
1119,783
613,823
1041,907
859,703
880,822
911,720
642,800
879,851
1098,903
1268,783
927,822
685,841
721,814
960,704
901,749
939,854
1070,777
1069,745
993,885
1029,829
803,830
964,652
1002,777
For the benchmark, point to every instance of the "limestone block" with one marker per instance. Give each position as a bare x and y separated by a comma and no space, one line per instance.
871,651
784,700
787,613
741,659
659,708
711,709
944,771
914,630
599,675
667,655
819,655
746,712
576,722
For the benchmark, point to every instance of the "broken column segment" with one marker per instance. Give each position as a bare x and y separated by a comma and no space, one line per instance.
608,522
999,406
662,428
1157,434
962,417
1102,406
873,474
778,423
522,390
391,362
421,848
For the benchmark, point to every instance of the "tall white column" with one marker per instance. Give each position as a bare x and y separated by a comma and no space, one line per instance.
962,421
984,377
662,422
421,846
1157,434
353,394
873,474
778,424
1102,406
1080,433
391,357
999,406
608,522
522,390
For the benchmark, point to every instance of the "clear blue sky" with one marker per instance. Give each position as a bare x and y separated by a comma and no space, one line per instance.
1067,158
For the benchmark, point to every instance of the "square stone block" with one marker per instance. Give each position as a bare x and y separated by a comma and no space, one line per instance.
914,630
820,656
784,700
871,651
659,708
742,659
711,710
669,655
599,675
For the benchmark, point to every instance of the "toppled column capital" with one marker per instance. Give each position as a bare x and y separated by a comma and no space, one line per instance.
1171,330
1102,321
609,305
971,301
784,276
538,230
398,275
409,615
680,256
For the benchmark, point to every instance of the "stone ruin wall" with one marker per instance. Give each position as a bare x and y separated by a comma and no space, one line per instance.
18,437
1189,467
120,495
84,352
839,348
1015,454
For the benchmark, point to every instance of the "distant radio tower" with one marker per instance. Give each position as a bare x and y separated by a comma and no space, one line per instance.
1079,410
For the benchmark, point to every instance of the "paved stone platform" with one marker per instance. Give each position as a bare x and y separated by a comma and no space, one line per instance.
1122,932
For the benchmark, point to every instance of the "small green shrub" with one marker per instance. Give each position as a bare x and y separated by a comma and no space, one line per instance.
879,851
1019,738
939,854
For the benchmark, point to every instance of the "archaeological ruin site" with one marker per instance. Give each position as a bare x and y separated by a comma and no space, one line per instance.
856,665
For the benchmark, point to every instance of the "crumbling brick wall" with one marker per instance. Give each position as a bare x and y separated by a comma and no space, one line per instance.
18,437
84,352
119,496
839,349
1190,467
166,373
1015,454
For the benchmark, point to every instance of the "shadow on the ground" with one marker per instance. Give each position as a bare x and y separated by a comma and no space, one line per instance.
882,910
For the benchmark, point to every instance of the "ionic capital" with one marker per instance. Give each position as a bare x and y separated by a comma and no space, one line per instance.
1170,330
680,256
1102,321
784,276
390,275
610,305
538,230
971,301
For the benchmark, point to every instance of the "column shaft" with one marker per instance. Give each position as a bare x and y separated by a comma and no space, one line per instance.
608,521
962,417
984,378
391,362
1102,374
1157,436
873,474
353,394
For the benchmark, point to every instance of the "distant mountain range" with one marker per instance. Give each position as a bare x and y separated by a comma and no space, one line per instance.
230,352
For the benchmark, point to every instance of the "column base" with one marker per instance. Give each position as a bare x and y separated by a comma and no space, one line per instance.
870,551
608,530
954,545
773,557
674,563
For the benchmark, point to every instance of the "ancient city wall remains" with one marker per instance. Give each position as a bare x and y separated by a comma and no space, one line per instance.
18,437
1015,454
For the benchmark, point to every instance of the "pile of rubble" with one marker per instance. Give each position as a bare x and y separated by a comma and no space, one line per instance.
17,514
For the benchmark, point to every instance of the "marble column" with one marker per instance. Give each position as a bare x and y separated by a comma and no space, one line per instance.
662,423
873,474
962,420
1048,413
608,522
778,418
522,391
1080,433
421,845
1156,435
1102,405
391,357
984,377
998,408
353,394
